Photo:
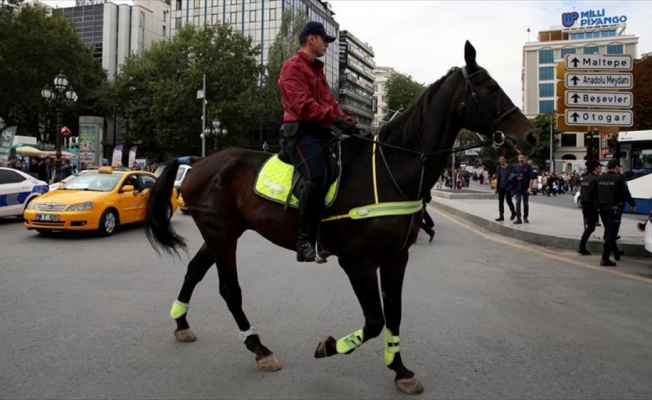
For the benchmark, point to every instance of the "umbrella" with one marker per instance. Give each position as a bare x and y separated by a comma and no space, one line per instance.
29,151
64,154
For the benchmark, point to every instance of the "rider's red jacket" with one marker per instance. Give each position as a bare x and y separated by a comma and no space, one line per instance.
305,92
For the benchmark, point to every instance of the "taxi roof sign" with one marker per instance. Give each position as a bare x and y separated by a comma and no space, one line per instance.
105,170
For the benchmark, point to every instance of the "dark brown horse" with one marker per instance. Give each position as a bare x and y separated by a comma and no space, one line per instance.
409,156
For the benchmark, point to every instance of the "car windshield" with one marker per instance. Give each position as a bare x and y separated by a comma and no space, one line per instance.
93,182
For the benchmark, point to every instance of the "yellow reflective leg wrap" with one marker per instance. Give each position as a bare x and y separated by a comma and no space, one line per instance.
349,343
178,309
391,346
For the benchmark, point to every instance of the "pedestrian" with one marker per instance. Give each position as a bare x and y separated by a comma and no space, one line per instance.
503,189
310,110
82,166
45,170
66,169
588,202
612,194
524,174
427,224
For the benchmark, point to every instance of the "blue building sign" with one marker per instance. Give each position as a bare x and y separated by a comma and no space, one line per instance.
591,18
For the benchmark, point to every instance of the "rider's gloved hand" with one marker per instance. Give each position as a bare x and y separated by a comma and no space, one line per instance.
345,126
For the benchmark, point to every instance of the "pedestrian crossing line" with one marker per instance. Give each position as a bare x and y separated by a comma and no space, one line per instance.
546,252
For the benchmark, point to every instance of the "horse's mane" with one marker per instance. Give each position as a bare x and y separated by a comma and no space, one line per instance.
405,130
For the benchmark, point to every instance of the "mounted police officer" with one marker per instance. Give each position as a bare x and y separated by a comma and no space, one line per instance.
310,110
612,194
588,201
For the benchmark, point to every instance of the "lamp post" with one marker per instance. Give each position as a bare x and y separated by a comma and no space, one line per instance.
61,96
216,131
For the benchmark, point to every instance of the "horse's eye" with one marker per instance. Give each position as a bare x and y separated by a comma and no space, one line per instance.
493,87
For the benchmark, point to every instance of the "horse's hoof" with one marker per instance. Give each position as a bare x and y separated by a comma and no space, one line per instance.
409,385
269,363
322,347
185,336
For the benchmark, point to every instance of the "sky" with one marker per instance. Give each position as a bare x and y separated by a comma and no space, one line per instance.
424,39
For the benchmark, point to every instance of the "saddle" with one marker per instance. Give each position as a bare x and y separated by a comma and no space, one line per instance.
279,181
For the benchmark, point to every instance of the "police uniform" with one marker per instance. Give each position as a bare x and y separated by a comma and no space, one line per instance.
612,194
588,202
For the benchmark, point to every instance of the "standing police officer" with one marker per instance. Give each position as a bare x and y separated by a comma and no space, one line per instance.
587,199
612,193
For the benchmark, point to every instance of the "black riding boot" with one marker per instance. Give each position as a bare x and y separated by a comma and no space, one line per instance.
309,212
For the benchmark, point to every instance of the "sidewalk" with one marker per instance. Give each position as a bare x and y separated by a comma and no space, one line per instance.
550,226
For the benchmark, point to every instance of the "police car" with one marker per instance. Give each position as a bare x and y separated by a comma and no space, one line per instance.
17,190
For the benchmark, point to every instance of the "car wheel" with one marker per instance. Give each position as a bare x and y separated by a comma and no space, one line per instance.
108,223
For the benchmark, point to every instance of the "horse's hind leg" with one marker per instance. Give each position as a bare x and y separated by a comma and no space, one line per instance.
391,279
232,295
197,269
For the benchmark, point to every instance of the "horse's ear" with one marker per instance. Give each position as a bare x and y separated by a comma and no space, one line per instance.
469,55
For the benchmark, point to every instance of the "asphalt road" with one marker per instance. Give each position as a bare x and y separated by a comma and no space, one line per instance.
483,317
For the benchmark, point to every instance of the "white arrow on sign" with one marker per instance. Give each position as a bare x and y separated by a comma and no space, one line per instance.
599,99
599,117
588,80
610,62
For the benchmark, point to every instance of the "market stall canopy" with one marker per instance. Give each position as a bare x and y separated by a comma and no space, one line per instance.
29,151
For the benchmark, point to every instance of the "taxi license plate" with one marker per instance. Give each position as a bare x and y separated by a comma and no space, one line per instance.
47,217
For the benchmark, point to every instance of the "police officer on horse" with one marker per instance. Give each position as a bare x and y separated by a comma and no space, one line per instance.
587,200
612,194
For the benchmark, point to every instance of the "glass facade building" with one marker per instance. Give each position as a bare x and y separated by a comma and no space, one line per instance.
356,93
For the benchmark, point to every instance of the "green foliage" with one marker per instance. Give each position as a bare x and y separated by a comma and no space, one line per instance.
156,92
400,93
642,91
541,152
284,47
34,48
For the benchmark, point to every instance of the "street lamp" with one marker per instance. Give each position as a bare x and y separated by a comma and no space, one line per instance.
63,95
216,131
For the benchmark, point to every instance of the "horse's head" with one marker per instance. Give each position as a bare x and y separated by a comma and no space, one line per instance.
486,108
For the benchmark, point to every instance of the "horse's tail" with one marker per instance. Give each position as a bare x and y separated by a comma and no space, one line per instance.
158,229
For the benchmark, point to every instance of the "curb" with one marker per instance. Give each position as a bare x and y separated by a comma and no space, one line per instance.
474,195
558,242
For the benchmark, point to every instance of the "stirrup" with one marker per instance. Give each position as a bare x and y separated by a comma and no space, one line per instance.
322,254
305,247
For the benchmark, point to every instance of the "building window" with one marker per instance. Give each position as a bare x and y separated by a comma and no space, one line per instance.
546,56
568,140
252,16
546,73
272,14
591,50
615,49
546,106
609,33
546,89
568,50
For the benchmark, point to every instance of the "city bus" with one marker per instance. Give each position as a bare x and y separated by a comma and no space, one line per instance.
634,149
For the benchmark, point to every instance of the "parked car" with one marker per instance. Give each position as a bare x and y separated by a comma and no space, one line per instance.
99,200
182,173
182,205
17,190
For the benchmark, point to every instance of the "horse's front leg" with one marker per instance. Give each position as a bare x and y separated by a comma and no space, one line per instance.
365,285
391,279
197,269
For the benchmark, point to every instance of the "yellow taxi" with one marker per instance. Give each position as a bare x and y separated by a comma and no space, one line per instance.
182,205
97,201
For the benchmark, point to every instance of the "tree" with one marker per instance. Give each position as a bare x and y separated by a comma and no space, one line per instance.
400,93
284,47
541,152
34,48
155,92
642,92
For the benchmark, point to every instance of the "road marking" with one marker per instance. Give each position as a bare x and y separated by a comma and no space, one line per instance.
546,251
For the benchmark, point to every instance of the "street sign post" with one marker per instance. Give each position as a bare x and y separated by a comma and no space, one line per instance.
592,80
576,98
603,62
584,117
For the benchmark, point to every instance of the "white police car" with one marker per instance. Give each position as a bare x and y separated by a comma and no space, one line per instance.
17,189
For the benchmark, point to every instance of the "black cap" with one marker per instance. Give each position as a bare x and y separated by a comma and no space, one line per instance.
315,28
592,164
613,163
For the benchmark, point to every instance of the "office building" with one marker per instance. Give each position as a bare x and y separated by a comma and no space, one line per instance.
582,32
356,94
381,74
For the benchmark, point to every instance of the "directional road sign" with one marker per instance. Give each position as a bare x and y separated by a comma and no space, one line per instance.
599,117
576,98
603,62
589,80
